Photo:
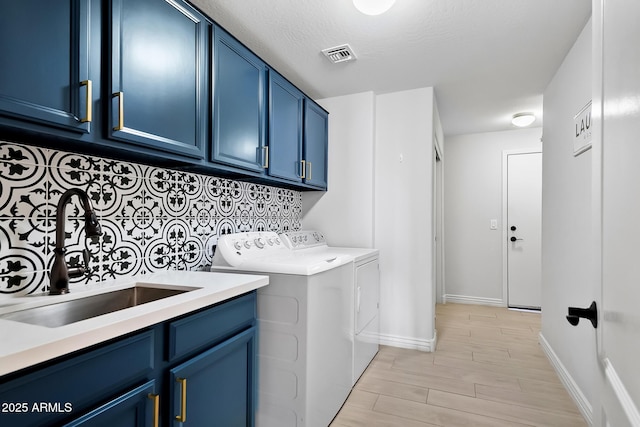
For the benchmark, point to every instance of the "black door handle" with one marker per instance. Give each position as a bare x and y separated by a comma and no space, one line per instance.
513,228
590,313
514,238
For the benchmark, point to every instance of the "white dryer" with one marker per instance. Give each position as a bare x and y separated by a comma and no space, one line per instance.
366,290
305,345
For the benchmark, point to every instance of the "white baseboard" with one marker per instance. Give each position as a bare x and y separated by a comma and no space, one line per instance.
408,342
621,394
464,299
572,387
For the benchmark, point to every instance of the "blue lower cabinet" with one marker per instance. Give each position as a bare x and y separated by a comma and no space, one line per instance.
140,380
138,408
216,388
62,391
190,335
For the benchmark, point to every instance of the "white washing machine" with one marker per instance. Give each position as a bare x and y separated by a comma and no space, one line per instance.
366,285
305,343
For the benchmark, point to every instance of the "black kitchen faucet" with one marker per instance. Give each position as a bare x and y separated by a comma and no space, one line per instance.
60,273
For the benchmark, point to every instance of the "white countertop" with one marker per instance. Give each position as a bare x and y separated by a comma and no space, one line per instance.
23,345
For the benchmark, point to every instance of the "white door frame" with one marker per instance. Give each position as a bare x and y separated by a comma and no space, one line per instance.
616,394
438,222
505,232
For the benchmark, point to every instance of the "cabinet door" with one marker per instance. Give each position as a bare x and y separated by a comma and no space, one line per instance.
138,408
315,145
239,115
159,75
55,393
216,388
285,128
44,77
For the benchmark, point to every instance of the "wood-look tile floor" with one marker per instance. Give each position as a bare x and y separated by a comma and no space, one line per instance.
488,370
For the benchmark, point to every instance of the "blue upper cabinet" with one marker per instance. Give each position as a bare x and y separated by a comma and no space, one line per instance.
286,105
154,81
158,80
239,105
44,76
316,136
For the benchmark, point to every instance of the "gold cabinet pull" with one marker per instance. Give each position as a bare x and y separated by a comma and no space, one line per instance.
310,170
183,400
156,408
265,164
120,96
303,164
89,108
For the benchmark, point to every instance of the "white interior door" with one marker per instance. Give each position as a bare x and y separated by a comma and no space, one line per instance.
617,101
524,228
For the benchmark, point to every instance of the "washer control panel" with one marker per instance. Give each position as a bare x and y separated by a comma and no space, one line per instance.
233,249
303,239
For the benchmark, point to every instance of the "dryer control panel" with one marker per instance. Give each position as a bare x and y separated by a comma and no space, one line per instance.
303,239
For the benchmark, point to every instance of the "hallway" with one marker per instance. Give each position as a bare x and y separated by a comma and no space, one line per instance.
488,370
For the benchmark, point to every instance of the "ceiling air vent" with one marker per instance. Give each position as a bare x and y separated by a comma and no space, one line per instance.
340,53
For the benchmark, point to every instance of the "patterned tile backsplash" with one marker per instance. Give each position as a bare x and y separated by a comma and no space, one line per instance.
152,218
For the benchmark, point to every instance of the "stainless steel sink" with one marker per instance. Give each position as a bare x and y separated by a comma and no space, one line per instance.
64,313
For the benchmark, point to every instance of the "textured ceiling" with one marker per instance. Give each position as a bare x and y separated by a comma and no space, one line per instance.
486,59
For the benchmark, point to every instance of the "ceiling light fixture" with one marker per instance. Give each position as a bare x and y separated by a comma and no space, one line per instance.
373,7
522,120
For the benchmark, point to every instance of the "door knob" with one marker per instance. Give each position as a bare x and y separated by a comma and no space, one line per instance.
514,238
513,228
590,313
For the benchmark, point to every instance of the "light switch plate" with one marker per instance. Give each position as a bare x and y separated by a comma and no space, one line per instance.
494,224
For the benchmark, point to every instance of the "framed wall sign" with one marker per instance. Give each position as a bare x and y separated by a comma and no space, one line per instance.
583,130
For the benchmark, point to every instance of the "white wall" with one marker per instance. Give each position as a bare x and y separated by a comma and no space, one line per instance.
567,252
345,213
403,218
473,197
374,200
